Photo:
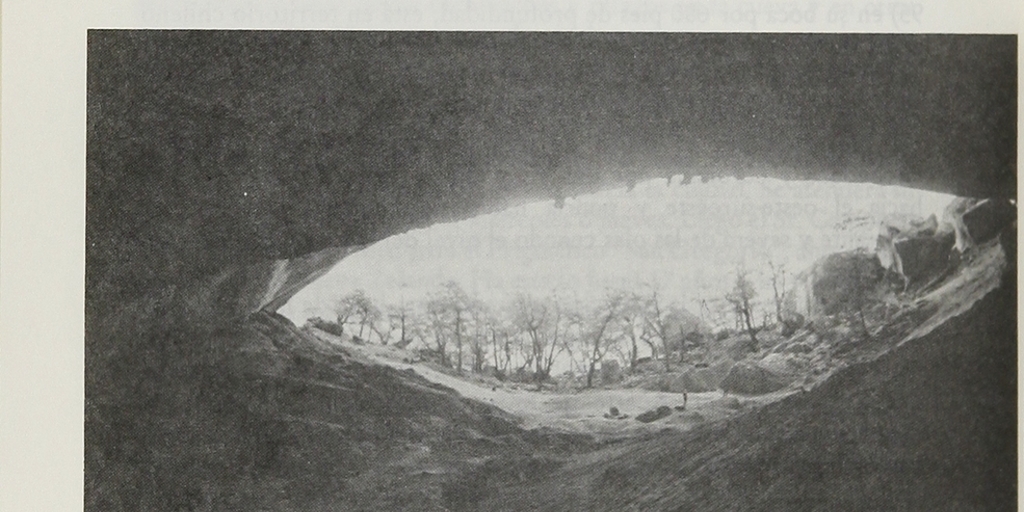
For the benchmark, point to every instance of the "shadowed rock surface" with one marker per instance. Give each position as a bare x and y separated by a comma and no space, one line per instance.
208,149
218,163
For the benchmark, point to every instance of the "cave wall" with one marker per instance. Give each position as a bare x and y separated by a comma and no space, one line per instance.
226,170
210,151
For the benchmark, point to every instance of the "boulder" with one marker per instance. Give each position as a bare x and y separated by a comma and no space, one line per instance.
707,379
692,380
911,226
667,383
791,322
678,383
826,288
729,402
782,364
654,414
614,414
925,257
986,219
798,348
751,379
838,277
611,372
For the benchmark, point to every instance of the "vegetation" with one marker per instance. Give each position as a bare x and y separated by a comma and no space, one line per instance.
529,337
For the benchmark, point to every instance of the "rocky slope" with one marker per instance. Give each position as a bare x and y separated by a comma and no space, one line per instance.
261,416
929,425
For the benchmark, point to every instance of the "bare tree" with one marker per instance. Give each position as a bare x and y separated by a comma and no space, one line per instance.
357,305
436,327
479,317
597,335
500,333
543,323
657,322
383,331
741,298
778,281
449,311
398,316
632,324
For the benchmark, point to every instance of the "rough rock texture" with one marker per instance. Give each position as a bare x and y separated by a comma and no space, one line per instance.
985,220
662,411
208,149
265,417
213,157
752,379
829,286
925,257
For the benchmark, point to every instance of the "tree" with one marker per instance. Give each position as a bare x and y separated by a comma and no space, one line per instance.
436,328
778,281
418,328
741,298
399,320
656,319
383,330
632,325
480,319
357,305
500,333
597,333
449,313
542,322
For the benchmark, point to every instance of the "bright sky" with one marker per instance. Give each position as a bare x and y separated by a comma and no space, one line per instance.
684,238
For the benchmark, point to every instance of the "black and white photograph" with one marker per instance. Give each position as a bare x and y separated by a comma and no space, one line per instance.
383,270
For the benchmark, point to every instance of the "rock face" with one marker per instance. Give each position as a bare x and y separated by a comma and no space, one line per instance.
986,219
220,163
832,282
189,173
925,257
260,416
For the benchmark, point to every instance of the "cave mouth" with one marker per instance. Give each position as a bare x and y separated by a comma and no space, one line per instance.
684,237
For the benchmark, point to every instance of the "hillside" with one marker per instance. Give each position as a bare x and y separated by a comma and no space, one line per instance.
278,420
929,425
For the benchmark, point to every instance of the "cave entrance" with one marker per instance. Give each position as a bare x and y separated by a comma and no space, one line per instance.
680,245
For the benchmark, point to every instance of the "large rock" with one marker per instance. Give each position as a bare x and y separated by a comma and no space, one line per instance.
828,285
986,219
782,364
925,257
654,414
692,380
751,379
699,380
611,372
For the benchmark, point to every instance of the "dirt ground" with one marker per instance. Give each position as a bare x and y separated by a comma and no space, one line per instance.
582,411
895,425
